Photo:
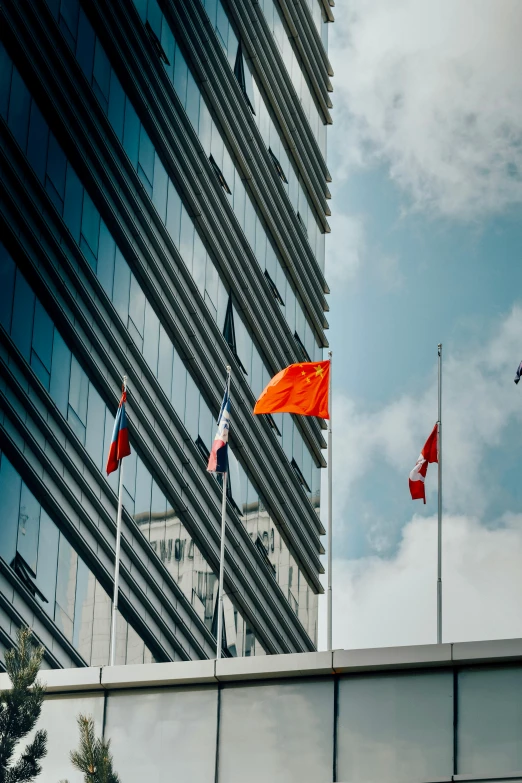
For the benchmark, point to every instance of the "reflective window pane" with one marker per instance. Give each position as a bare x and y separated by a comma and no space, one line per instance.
10,486
60,373
28,528
19,107
23,314
7,282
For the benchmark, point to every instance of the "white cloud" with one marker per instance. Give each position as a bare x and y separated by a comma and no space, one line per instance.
392,601
380,602
434,91
345,248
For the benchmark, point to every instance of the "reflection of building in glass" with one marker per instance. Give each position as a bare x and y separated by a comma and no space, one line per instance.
162,215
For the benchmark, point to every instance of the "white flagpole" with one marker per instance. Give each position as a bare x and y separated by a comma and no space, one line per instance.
329,527
439,526
117,558
222,551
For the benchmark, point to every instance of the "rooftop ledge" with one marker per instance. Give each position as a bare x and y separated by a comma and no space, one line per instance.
315,664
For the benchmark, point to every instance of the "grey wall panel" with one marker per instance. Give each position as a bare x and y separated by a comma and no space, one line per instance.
58,718
282,733
395,728
167,734
489,737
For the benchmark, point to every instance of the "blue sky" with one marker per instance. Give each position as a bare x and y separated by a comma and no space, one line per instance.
426,246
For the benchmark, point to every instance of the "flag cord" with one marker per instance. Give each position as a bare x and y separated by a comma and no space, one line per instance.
222,550
112,655
329,530
439,521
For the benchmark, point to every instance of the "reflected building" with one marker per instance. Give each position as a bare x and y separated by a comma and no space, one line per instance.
163,210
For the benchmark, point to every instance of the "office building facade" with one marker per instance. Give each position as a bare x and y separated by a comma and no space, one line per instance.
163,210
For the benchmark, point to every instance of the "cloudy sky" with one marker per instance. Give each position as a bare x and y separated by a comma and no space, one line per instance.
426,247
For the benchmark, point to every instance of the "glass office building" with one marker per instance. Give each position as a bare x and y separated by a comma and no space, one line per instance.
163,210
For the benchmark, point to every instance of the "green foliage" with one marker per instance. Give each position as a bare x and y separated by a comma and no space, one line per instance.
20,708
93,757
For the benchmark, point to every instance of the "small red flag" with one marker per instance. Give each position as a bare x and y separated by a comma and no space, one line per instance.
429,453
299,388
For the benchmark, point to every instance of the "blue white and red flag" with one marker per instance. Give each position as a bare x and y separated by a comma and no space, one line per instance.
120,446
218,460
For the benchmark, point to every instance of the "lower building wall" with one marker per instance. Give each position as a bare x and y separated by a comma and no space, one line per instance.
447,723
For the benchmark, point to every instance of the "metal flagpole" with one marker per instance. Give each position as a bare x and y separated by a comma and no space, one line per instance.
117,557
329,530
439,527
222,551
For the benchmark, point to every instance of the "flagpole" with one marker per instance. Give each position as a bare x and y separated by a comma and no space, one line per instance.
222,551
439,526
329,527
117,558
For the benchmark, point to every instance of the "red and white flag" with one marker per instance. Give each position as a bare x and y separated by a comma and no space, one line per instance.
429,453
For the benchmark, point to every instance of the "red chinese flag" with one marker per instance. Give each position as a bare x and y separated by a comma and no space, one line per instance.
429,453
299,388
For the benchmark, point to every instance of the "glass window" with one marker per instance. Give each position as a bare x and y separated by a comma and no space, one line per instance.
193,100
94,435
151,338
106,254
78,391
37,142
142,498
6,68
7,282
10,485
160,189
101,72
192,408
91,225
23,313
83,610
19,107
73,204
166,358
186,244
47,560
199,263
28,527
85,45
180,76
121,290
56,165
131,133
179,385
43,331
116,106
60,371
66,579
173,213
70,11
146,155
137,305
